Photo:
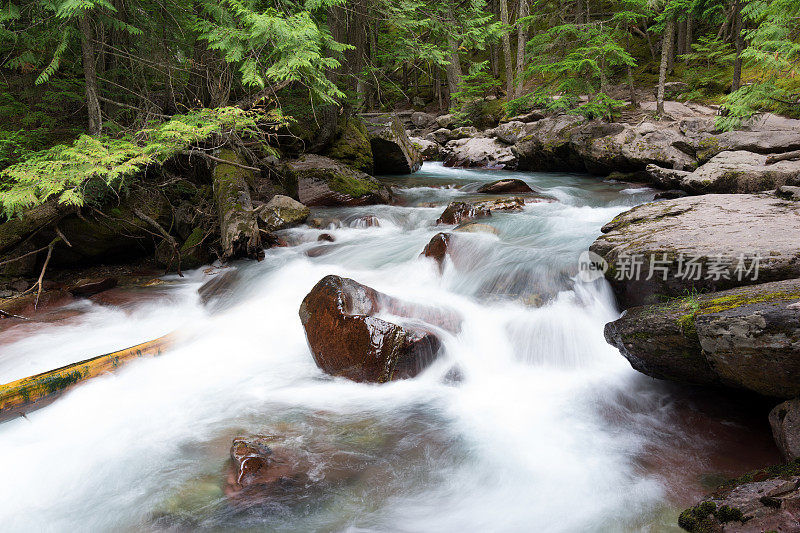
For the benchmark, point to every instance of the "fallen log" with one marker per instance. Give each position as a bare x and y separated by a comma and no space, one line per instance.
237,220
28,394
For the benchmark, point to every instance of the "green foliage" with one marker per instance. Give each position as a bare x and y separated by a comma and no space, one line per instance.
710,66
600,106
67,170
469,104
271,46
773,54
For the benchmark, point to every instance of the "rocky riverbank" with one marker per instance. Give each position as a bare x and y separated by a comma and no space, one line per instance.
711,290
682,150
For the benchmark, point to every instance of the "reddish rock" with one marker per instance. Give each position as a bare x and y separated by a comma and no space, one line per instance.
86,289
505,186
458,212
347,339
326,237
437,248
257,465
218,286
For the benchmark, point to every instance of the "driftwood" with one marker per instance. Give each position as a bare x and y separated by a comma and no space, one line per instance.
28,394
788,156
237,220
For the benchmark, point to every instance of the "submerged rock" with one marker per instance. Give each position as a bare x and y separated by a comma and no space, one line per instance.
321,181
259,464
348,340
476,227
709,242
458,212
746,338
505,186
219,286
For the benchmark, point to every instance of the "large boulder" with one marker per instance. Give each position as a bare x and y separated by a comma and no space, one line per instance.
514,131
422,120
281,212
739,172
568,142
762,141
392,150
352,145
347,339
746,338
761,501
322,181
711,242
478,152
785,422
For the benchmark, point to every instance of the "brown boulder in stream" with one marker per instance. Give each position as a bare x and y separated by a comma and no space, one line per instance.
436,249
458,212
348,340
505,186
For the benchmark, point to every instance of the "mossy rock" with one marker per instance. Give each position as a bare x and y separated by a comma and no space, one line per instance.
325,182
352,146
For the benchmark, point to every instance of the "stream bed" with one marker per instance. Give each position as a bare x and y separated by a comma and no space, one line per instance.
546,428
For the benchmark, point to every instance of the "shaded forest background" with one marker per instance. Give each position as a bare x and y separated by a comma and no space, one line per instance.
100,89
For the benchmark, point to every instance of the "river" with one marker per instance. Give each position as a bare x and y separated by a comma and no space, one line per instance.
547,427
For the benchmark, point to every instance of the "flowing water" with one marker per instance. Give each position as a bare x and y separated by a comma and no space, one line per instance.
547,428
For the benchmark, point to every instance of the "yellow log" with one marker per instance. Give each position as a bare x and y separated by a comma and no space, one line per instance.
31,393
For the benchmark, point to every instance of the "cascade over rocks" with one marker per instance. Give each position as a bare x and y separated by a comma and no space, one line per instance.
714,231
347,339
392,150
322,181
746,338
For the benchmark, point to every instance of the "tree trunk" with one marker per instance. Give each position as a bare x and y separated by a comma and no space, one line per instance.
689,31
238,224
522,39
739,41
453,69
507,50
90,76
681,47
666,48
632,87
